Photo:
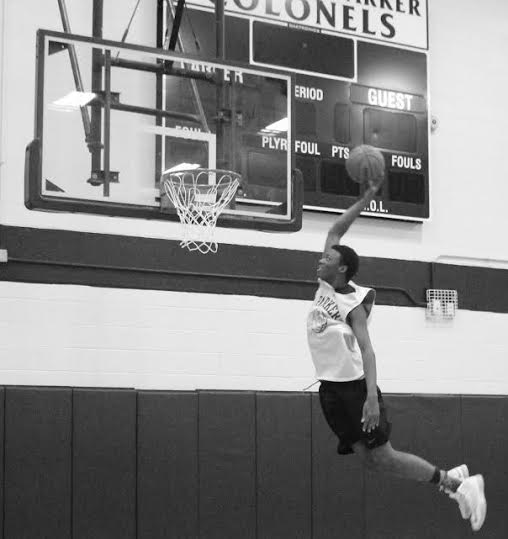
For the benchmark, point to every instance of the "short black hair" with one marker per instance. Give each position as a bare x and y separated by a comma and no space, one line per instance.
349,258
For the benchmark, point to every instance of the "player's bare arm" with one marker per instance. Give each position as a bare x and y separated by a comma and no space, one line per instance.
342,224
358,321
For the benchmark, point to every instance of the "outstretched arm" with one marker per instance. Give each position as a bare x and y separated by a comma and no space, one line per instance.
342,224
358,320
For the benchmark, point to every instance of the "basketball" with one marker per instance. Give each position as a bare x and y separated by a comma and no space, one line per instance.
365,164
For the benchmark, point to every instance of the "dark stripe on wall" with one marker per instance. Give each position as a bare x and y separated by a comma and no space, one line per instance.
479,289
266,459
65,257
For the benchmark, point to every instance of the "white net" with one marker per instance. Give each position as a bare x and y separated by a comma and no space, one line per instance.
442,305
199,196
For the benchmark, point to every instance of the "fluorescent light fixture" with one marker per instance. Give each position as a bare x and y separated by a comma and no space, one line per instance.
182,166
280,126
73,101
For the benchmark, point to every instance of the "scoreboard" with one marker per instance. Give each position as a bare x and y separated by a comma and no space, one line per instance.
360,71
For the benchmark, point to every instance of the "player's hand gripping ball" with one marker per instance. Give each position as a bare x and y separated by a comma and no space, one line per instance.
366,164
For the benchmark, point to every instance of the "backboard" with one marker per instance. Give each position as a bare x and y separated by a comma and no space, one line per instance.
111,119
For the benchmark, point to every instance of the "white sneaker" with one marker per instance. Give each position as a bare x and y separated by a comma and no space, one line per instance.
473,488
460,472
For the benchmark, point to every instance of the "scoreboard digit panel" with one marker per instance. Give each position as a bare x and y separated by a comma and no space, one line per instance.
301,51
349,90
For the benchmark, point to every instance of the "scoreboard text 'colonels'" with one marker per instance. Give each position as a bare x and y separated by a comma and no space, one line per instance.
398,21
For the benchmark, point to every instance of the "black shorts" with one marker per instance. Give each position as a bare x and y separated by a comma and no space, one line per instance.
342,404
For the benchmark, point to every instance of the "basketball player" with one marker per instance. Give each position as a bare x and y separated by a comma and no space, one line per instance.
345,365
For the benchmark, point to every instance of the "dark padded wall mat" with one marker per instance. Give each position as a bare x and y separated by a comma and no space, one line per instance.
132,464
337,485
284,465
485,438
167,474
227,465
2,429
104,464
430,428
37,462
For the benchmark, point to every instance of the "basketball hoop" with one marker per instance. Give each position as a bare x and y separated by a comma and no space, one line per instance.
199,196
441,305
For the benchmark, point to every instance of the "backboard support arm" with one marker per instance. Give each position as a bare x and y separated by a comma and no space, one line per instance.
76,72
177,20
95,144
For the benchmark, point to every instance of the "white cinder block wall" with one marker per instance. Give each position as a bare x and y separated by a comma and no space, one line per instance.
84,336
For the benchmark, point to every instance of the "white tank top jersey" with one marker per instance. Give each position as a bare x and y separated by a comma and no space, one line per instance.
333,345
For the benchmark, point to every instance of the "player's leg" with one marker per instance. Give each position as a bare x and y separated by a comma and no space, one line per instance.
467,491
335,413
342,405
386,459
377,453
404,465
